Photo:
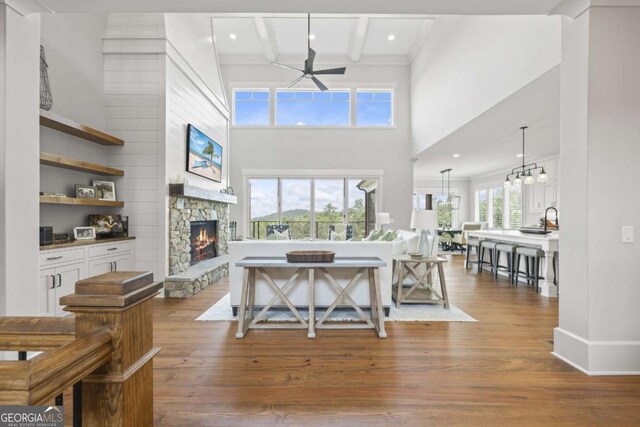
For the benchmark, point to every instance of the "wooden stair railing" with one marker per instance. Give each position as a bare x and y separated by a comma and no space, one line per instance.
111,353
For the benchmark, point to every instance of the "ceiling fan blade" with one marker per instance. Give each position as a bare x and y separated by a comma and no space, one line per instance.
319,84
340,70
286,66
295,81
309,61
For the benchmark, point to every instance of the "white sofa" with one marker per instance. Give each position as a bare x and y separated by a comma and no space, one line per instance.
299,293
324,294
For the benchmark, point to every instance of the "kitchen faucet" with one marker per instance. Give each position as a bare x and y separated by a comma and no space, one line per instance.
545,218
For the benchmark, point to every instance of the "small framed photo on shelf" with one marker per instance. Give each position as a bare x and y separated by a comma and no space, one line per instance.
106,190
86,191
84,233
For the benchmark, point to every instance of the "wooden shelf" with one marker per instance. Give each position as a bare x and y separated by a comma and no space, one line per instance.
76,243
70,127
78,165
52,200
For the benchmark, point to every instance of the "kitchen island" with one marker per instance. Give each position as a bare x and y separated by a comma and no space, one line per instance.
549,243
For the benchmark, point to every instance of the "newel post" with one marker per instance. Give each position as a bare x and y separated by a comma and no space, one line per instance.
120,393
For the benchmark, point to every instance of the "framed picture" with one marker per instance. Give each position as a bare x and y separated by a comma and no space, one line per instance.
84,233
204,155
86,191
105,190
106,225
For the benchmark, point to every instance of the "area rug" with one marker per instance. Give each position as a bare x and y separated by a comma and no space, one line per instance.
221,311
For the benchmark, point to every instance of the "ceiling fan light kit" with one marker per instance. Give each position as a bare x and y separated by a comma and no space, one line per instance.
308,72
523,173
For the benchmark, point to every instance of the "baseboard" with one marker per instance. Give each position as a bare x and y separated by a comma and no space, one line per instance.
597,357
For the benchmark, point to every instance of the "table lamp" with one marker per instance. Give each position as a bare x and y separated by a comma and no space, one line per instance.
424,220
383,218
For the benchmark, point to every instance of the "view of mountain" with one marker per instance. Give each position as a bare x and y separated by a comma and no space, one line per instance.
292,213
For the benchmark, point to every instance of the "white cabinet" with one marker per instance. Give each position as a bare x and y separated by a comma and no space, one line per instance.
60,269
55,283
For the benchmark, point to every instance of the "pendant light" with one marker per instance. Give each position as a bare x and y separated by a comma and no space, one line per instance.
453,201
523,173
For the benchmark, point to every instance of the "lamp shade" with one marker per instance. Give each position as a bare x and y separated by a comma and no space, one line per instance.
383,218
422,219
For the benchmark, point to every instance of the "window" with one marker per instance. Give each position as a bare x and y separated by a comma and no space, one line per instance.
374,108
499,208
251,108
447,217
515,206
312,108
336,201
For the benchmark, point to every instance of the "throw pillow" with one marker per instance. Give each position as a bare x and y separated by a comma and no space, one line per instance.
412,243
338,236
281,236
389,236
374,235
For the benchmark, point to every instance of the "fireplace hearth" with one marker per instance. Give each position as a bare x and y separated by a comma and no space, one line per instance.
203,240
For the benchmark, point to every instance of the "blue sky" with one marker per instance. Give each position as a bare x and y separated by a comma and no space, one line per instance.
199,142
299,108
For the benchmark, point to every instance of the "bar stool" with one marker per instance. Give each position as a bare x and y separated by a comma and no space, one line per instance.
510,250
472,243
532,258
484,245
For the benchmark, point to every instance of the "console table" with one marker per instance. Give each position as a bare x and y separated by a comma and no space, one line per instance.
258,265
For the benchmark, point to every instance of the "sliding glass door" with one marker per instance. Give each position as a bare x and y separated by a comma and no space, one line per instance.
295,196
263,206
329,205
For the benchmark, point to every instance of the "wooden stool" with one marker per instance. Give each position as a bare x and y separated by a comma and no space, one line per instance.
532,258
510,250
484,245
472,243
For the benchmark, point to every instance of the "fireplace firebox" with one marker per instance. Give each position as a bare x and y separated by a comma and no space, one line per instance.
203,240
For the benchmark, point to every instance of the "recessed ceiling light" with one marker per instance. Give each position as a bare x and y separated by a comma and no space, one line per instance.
312,36
233,36
391,37
519,155
455,156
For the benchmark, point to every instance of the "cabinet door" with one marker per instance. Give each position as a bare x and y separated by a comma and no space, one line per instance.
122,263
100,266
67,277
46,292
549,196
537,198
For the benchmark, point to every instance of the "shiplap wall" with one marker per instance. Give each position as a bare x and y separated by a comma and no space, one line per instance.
135,94
161,73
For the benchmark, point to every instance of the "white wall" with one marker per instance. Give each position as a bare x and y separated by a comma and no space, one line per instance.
19,165
470,63
273,148
73,47
599,329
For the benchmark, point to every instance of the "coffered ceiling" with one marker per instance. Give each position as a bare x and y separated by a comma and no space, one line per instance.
376,39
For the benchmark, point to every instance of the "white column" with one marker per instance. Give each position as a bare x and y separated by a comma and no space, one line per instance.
599,325
19,160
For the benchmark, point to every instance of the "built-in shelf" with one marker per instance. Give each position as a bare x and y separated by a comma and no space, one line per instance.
78,165
68,126
195,192
53,200
76,243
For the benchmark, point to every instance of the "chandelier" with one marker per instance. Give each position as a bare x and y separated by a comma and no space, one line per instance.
523,173
452,202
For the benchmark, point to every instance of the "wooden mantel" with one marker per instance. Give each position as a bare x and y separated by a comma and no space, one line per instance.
195,192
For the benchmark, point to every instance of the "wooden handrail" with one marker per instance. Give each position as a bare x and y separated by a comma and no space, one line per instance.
35,333
42,378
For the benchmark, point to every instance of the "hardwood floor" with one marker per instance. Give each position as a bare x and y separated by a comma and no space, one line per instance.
497,371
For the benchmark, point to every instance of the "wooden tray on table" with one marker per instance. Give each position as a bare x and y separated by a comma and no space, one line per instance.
310,256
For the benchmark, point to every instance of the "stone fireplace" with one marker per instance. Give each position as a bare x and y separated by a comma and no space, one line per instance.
198,238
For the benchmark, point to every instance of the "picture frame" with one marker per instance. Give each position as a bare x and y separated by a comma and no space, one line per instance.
106,225
230,191
84,233
105,190
86,191
204,155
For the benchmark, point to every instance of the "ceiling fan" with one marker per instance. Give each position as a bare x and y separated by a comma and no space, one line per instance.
308,71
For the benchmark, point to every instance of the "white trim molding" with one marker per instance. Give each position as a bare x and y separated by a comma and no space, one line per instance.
597,357
26,7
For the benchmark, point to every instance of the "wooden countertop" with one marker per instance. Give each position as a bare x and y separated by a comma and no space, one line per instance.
76,243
